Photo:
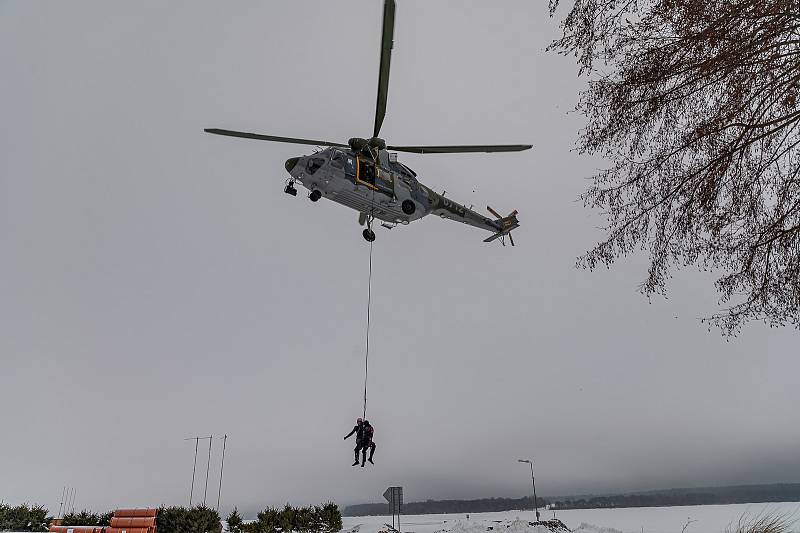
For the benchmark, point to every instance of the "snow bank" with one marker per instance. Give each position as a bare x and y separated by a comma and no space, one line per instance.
523,526
591,528
515,526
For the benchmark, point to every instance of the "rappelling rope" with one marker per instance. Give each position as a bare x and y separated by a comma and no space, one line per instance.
369,304
369,290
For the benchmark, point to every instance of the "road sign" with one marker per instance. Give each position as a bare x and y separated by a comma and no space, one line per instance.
394,495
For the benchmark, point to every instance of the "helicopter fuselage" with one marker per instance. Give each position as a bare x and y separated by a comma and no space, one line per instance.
379,187
364,174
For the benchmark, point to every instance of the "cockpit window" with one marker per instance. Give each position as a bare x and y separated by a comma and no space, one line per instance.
337,160
314,164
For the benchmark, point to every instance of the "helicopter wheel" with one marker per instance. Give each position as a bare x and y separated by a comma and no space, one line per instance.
368,234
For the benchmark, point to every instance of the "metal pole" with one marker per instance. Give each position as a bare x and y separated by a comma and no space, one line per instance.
535,503
221,468
191,491
208,466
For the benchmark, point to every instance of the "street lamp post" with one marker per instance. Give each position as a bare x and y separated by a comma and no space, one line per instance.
533,482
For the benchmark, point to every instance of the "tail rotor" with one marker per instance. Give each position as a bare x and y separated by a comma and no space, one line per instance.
506,224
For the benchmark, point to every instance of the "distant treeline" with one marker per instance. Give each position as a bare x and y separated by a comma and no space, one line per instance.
484,505
781,492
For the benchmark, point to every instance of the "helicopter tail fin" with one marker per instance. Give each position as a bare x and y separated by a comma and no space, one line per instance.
506,224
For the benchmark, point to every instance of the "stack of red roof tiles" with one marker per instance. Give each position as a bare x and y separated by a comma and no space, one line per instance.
123,521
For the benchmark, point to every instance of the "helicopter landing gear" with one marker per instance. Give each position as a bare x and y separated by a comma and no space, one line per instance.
289,189
315,195
368,234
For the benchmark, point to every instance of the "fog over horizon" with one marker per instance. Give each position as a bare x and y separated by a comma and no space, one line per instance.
157,284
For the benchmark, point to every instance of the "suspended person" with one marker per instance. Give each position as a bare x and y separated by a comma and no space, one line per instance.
358,430
367,443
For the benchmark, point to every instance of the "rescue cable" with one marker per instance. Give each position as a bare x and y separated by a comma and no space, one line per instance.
369,304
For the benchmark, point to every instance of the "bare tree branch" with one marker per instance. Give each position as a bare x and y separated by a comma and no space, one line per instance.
699,118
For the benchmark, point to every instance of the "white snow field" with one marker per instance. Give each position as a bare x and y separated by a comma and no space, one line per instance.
701,519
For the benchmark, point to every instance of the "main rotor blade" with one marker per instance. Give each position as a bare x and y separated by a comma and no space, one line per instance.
461,149
260,137
387,42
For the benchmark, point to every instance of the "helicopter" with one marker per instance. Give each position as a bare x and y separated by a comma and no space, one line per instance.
366,176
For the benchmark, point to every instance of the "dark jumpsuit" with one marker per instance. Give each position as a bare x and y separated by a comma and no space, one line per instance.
358,429
367,443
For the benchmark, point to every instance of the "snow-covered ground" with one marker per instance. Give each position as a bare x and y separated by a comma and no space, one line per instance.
700,519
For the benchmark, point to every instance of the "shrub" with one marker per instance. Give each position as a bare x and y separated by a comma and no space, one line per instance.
87,518
325,519
766,522
23,518
331,518
234,521
198,519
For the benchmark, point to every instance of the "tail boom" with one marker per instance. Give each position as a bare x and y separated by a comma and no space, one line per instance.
500,227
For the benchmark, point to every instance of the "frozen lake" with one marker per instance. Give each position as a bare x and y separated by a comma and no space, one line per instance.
702,518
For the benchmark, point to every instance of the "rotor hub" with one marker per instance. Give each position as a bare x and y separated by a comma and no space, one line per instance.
377,142
358,144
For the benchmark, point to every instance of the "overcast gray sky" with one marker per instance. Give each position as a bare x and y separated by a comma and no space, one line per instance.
156,283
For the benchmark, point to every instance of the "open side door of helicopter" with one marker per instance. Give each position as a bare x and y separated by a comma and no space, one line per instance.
371,175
